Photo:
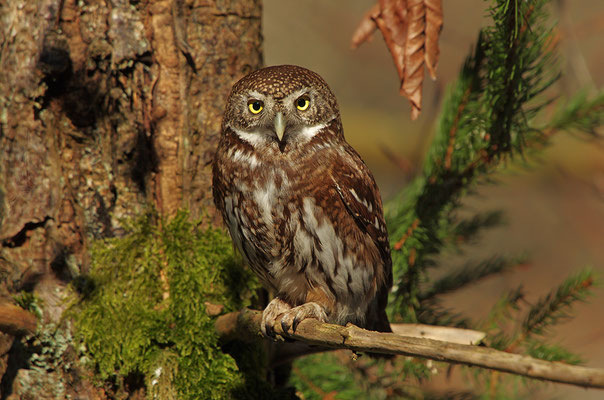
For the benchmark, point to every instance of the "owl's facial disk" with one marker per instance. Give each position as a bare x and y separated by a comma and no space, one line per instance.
280,118
283,121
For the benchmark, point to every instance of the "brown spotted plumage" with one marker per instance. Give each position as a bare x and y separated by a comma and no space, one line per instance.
300,205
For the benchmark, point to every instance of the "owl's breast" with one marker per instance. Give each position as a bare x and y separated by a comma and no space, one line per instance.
287,220
255,209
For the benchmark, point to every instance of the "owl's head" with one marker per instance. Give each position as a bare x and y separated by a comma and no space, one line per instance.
280,104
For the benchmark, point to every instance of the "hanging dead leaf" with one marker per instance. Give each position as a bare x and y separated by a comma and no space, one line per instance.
365,30
411,29
434,24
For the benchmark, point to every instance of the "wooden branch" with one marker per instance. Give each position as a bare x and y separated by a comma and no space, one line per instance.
16,321
245,325
442,333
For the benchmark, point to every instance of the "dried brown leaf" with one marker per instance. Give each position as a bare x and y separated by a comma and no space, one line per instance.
413,79
411,29
397,51
365,30
394,13
392,24
434,24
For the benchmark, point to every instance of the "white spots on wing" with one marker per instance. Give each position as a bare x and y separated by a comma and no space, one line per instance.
354,194
363,201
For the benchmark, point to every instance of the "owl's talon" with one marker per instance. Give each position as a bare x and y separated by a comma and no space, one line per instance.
296,323
268,331
272,313
293,317
285,325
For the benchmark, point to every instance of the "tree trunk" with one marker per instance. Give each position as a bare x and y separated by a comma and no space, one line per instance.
106,107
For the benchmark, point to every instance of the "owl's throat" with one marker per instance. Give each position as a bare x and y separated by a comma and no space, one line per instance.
282,144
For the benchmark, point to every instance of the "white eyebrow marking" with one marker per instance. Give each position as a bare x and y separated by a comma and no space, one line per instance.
256,94
298,93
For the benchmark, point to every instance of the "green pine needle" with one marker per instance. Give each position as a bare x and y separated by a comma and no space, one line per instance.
581,113
467,229
551,352
556,305
470,273
502,312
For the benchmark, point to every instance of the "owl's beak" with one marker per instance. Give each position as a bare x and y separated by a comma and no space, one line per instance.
279,125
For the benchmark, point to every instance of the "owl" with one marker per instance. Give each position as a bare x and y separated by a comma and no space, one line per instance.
299,203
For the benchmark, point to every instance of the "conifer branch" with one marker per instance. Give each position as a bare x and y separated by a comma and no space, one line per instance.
485,120
467,274
310,331
503,309
432,312
553,307
582,113
467,229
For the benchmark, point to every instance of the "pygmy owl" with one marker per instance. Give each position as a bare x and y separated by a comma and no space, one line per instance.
301,206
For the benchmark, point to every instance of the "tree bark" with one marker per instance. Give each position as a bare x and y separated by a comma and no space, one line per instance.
106,107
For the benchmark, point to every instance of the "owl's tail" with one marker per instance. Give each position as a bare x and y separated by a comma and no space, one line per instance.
378,320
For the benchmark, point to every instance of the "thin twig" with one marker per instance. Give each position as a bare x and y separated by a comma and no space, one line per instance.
399,245
246,324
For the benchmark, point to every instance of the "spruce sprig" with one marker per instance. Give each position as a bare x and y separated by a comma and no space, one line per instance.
551,352
581,113
485,118
503,310
468,229
470,272
555,306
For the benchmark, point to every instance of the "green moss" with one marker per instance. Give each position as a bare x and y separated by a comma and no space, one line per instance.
142,310
28,301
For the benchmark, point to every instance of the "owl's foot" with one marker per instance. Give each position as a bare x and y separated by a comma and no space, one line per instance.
271,314
298,314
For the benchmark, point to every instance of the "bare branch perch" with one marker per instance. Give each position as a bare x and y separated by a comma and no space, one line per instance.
246,325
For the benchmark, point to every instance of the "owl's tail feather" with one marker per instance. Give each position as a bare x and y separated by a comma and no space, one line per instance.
379,322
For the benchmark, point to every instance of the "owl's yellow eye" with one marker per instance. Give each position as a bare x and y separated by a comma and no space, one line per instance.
302,103
255,106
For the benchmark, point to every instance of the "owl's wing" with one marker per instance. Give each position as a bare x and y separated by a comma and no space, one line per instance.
359,193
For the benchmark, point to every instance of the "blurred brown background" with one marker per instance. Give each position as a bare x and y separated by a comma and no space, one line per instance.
554,209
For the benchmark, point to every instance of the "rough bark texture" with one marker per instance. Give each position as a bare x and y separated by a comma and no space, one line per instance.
105,106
